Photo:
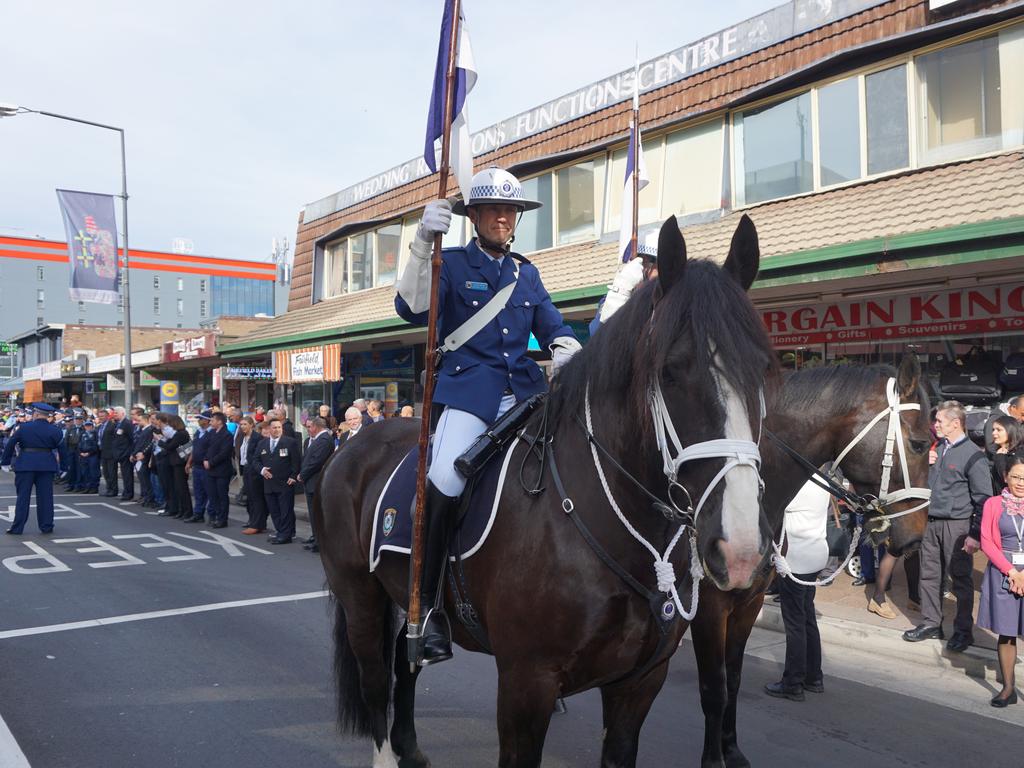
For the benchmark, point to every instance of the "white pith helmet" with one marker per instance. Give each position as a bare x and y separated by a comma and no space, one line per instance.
494,185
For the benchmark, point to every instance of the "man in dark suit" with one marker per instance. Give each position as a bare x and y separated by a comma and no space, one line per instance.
40,451
219,465
256,500
142,449
202,506
318,451
105,428
124,438
278,463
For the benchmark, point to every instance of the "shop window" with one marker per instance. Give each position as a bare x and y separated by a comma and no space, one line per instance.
773,151
534,232
650,196
695,153
389,240
39,274
361,264
40,298
156,305
181,307
885,94
202,307
181,284
156,282
962,99
580,188
839,131
202,285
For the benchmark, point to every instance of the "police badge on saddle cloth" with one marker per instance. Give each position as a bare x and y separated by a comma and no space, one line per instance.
392,517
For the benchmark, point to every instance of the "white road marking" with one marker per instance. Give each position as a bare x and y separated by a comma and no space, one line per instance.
102,622
11,755
108,504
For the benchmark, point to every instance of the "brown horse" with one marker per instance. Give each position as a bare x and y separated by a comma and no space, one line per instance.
819,411
559,620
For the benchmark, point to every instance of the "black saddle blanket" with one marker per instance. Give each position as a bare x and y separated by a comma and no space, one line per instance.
392,517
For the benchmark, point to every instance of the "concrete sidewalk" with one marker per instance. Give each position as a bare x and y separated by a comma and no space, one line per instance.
845,622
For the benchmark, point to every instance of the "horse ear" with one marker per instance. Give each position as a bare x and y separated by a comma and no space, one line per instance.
909,375
671,255
744,253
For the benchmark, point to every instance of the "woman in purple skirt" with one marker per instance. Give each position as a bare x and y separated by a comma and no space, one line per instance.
1001,609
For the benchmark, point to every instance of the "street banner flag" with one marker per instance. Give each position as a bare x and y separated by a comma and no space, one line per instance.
461,151
91,230
626,227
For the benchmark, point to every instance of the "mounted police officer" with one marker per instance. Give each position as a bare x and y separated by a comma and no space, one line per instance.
490,371
40,451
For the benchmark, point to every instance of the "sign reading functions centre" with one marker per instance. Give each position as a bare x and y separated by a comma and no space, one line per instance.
771,27
990,309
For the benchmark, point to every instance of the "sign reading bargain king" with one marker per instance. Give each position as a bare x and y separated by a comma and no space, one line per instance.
988,309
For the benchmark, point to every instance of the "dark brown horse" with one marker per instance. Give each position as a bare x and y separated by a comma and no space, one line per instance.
558,619
819,412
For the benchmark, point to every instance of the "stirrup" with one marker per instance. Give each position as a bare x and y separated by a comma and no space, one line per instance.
437,647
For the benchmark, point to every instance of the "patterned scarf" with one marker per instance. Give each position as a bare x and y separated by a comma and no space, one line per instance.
1012,505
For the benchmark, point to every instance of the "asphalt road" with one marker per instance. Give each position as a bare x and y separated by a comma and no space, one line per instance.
248,683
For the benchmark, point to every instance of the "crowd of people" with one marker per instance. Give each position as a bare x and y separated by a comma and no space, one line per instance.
152,458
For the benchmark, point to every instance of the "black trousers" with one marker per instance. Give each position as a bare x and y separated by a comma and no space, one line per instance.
128,477
217,493
942,551
255,502
110,474
166,475
182,498
145,486
803,643
309,509
281,505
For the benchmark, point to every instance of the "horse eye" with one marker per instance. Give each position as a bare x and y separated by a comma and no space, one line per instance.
919,446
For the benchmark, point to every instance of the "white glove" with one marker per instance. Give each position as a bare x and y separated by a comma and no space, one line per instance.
414,283
562,350
6,468
629,276
437,217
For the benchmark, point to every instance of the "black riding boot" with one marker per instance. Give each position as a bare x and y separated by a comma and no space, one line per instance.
435,638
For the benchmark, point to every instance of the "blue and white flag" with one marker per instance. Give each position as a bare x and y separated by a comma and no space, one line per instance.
461,149
626,226
91,230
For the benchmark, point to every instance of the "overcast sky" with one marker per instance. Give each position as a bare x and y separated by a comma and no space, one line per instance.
237,114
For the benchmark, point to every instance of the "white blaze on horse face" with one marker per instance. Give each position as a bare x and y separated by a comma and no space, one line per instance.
741,509
384,757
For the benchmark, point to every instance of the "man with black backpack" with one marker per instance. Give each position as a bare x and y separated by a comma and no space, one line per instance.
960,484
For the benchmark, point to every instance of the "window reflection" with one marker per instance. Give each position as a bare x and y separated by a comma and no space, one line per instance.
888,136
534,230
839,131
774,151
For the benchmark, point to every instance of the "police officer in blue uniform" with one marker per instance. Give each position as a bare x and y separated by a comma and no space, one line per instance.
89,458
40,451
202,503
491,371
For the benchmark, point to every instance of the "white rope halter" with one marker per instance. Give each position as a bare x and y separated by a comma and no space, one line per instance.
736,452
893,438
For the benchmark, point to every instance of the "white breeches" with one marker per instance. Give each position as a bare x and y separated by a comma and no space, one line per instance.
456,431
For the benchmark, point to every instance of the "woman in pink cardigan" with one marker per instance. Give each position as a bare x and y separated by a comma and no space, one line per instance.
1001,608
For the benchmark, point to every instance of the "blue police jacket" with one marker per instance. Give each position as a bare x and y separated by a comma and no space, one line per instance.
41,443
89,442
200,442
473,377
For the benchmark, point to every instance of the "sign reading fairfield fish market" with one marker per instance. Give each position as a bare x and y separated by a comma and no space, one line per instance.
990,309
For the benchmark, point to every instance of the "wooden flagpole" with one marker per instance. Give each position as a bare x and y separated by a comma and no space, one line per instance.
635,124
419,522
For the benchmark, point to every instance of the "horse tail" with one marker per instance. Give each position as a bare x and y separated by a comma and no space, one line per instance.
354,716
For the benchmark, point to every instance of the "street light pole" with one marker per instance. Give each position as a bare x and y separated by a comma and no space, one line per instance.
10,110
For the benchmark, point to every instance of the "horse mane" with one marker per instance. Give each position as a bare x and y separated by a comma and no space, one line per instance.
623,360
842,385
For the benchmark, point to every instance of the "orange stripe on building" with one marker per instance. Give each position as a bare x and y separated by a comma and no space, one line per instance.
28,242
200,271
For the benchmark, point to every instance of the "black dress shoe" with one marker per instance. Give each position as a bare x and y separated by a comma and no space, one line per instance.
1000,702
310,540
923,632
276,540
111,494
13,532
195,519
314,548
127,498
815,686
959,642
165,513
219,525
782,691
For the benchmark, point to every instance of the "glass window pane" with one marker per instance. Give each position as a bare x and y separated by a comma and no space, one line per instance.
693,170
650,196
455,237
1011,80
362,261
389,239
409,225
839,131
960,100
335,270
534,230
580,188
888,136
774,151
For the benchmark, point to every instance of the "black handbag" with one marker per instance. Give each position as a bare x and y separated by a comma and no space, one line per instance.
839,534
